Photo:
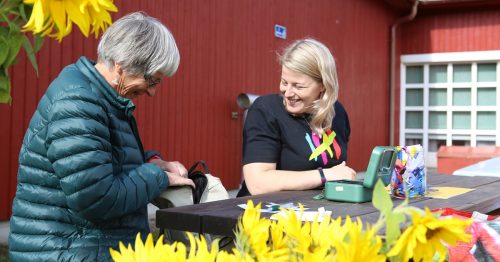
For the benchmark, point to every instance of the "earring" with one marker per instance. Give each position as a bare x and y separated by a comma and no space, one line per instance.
284,102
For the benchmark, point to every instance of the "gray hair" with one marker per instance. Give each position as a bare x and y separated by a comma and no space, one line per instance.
312,58
140,44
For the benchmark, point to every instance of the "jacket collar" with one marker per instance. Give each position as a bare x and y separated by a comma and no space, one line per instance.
87,67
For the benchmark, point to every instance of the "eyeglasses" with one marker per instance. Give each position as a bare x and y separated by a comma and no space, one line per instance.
152,82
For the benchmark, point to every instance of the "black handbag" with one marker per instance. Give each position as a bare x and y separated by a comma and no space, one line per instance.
199,178
208,188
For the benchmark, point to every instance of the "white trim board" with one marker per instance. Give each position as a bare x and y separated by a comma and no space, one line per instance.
452,57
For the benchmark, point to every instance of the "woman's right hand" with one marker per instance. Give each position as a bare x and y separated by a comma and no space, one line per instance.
340,171
178,180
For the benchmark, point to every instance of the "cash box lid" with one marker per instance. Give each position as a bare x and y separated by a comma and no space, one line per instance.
381,165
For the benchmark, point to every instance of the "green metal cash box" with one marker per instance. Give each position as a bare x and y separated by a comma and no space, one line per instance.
380,167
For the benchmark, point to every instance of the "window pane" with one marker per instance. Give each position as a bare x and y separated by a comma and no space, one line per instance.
413,139
461,96
437,120
486,120
434,144
460,142
414,119
415,97
461,120
486,96
486,72
414,74
461,73
485,143
485,140
437,74
437,96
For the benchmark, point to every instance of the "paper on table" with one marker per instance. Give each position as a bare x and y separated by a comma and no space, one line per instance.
444,192
307,215
269,208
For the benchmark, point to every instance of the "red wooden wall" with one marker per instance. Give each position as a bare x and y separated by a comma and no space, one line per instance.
461,30
454,31
227,47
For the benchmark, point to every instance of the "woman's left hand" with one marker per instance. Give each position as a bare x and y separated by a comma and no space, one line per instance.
174,167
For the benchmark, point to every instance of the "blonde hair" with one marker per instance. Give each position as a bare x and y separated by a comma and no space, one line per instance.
312,58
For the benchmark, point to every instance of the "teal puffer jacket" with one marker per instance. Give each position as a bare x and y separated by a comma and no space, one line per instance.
83,184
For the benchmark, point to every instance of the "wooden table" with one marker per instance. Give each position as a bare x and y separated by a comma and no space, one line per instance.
220,217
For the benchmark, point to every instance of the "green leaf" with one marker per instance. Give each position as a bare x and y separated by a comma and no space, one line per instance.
25,11
393,227
12,22
4,50
381,199
22,11
14,28
38,40
4,88
14,46
4,31
30,52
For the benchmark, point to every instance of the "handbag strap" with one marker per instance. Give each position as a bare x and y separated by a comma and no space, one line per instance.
200,180
199,162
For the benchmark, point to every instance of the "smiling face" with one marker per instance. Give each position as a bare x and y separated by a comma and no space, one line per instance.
299,91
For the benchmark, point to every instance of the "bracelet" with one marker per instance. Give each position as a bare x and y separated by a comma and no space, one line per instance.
322,174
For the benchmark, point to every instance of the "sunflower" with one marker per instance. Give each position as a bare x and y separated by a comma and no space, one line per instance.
426,235
278,242
358,244
55,18
322,236
298,237
147,251
199,249
252,233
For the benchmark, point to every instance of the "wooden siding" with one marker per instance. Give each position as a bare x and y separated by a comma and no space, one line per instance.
227,47
452,32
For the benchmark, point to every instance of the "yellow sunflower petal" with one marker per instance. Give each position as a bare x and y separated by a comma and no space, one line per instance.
115,255
108,5
58,14
82,20
37,17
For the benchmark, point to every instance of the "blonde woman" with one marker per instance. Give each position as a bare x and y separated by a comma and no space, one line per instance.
297,140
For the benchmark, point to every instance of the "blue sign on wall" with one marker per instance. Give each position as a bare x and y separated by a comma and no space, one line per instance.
280,31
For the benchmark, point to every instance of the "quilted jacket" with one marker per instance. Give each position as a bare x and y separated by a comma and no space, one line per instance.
83,184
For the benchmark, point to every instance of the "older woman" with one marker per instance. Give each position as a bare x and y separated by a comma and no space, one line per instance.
297,140
84,179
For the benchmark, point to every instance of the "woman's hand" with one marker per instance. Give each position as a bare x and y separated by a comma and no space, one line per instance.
176,172
174,167
177,180
339,172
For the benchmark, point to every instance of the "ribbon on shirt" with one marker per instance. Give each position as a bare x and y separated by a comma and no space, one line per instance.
328,140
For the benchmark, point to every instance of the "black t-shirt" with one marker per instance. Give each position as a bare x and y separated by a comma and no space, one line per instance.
272,135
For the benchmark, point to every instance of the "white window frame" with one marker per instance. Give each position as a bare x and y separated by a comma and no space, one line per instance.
425,60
